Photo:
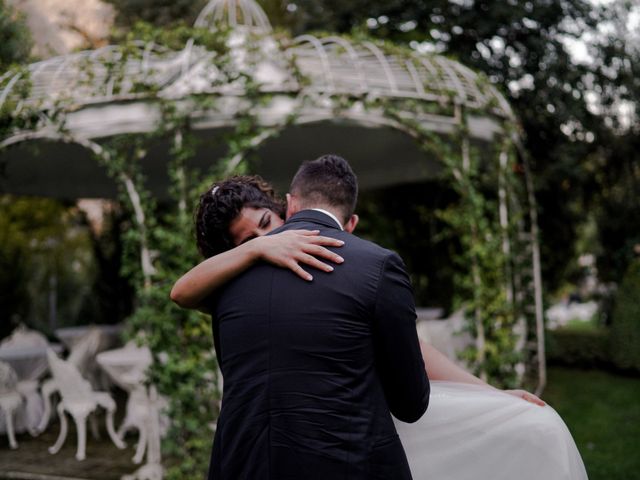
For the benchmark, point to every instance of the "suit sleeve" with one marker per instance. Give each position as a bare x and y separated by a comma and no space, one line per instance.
397,350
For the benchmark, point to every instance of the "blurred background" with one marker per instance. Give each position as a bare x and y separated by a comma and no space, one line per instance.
569,70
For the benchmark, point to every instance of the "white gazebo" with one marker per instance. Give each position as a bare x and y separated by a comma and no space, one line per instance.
376,106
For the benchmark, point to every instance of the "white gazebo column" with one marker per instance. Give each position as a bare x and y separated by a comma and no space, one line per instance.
148,270
504,222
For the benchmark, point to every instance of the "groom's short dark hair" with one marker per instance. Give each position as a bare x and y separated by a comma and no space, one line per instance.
328,180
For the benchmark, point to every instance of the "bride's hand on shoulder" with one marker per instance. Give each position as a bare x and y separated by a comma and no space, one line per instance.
529,397
294,248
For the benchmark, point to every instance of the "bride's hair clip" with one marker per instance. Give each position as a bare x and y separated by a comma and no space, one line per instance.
214,190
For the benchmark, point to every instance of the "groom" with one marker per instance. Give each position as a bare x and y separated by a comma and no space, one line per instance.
312,370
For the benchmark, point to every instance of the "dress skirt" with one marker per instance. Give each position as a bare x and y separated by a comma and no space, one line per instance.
471,432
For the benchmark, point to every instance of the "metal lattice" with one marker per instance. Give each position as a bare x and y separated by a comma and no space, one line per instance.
235,14
332,64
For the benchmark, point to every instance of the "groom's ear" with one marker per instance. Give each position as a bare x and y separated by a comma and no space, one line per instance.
292,205
350,226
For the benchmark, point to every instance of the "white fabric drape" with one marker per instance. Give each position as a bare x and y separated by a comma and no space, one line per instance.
471,432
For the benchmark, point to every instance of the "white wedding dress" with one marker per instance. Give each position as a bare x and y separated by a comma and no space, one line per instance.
471,432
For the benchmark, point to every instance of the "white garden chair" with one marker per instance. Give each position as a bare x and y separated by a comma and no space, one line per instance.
84,352
82,356
150,433
10,399
79,400
142,411
127,367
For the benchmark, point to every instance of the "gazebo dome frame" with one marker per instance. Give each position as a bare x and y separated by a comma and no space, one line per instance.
88,97
333,65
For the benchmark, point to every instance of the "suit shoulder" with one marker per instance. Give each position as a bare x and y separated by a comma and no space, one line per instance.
367,247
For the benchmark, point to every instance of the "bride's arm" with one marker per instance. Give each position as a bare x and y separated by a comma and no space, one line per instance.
439,367
287,249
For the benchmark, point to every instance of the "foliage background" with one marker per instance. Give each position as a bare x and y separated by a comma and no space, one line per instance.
585,161
15,39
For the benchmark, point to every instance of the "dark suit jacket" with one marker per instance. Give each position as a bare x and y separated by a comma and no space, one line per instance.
312,369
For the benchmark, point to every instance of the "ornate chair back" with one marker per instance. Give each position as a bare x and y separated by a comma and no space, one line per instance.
83,353
70,383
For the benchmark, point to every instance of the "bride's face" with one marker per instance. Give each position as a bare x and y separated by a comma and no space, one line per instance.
252,223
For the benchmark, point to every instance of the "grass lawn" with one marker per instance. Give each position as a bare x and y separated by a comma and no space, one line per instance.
602,410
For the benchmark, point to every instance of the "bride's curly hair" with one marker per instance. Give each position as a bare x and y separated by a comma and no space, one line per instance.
222,203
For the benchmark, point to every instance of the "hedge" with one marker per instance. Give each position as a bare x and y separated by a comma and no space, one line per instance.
625,325
579,348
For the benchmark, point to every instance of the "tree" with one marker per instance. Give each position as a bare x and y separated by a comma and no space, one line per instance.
45,249
157,12
616,170
15,40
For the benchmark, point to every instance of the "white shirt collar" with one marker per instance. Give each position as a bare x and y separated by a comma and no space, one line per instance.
331,215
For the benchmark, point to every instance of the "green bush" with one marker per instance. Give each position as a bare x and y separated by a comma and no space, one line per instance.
625,328
14,33
579,348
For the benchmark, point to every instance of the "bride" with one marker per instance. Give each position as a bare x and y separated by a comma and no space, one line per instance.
470,431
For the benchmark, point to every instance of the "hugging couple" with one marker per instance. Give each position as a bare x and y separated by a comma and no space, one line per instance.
315,334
